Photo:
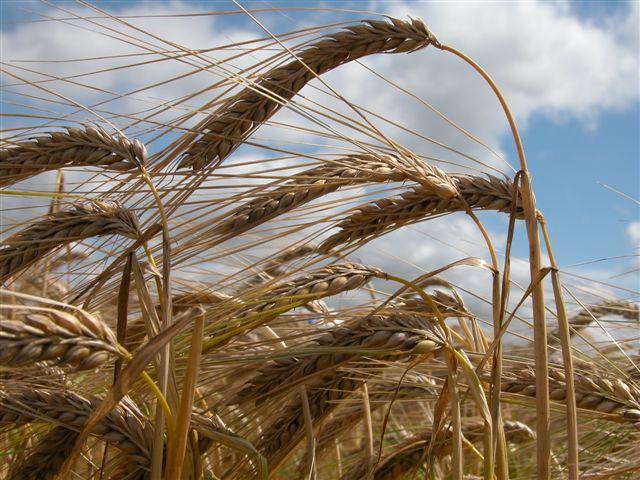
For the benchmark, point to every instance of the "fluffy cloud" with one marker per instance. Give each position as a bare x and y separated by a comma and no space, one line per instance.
633,230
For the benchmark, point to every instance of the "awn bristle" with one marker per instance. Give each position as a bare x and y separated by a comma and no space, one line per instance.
47,456
231,124
420,203
592,392
125,427
408,454
79,222
75,147
34,334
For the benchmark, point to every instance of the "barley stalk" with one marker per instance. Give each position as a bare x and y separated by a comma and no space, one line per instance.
75,147
231,124
35,334
418,204
79,222
124,427
594,393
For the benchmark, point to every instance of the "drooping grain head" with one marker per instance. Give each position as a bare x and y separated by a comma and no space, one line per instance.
614,396
317,182
410,454
384,339
585,317
419,204
326,281
47,456
34,334
230,125
75,147
125,427
78,222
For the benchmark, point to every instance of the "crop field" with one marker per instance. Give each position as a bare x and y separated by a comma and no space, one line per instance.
207,274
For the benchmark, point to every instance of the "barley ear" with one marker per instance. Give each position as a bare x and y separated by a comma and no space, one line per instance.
231,124
78,222
86,147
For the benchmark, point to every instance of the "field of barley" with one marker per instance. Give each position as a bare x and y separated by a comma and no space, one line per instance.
206,273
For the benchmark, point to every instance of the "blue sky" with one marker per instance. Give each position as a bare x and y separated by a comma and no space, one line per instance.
570,163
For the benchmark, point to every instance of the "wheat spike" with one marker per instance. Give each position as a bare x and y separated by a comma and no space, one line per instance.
80,221
75,147
420,203
125,426
592,392
231,124
35,334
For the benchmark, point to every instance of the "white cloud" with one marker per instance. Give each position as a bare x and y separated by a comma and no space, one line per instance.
546,60
633,231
